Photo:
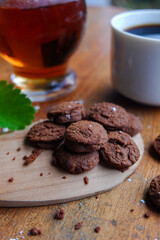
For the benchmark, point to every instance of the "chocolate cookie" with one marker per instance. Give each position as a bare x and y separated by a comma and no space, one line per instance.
85,136
111,116
67,112
154,191
133,126
120,151
156,144
46,134
75,162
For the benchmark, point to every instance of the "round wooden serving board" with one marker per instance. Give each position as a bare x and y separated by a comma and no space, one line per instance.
31,189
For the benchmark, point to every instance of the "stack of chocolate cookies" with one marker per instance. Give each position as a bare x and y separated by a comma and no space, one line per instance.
79,144
120,151
79,152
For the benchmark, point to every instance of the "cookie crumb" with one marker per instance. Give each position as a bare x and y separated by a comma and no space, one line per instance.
59,214
11,179
86,180
34,150
32,157
14,158
97,229
132,210
78,225
41,174
7,153
19,149
34,231
147,214
64,177
25,157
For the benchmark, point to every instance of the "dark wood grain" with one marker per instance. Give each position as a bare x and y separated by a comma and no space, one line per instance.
111,210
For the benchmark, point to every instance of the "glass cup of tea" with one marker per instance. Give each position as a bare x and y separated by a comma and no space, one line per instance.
37,37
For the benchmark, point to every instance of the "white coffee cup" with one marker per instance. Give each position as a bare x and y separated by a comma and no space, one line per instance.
136,59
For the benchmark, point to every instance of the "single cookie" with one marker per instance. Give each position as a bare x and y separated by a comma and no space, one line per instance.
156,144
75,162
46,134
67,112
133,126
120,151
85,136
154,191
111,116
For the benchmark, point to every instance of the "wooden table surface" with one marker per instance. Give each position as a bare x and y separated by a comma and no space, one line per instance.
111,210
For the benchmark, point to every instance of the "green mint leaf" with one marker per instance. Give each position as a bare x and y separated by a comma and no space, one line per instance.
16,111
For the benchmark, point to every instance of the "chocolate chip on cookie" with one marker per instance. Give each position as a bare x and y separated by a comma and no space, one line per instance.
111,116
67,112
156,144
154,191
133,126
120,151
85,136
75,162
46,134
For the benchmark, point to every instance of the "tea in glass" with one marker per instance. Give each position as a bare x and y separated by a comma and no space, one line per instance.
37,37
